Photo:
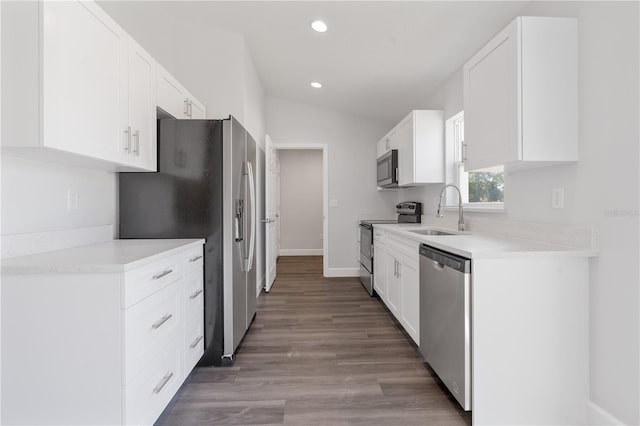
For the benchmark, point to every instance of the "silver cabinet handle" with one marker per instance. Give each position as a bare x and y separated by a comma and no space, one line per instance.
162,383
464,151
193,259
162,274
161,321
196,294
395,268
186,107
399,270
190,108
127,132
195,342
136,142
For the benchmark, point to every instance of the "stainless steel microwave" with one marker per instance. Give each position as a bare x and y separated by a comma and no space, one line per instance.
388,169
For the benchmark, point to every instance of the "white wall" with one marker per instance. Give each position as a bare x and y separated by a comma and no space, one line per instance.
34,197
351,163
601,190
300,200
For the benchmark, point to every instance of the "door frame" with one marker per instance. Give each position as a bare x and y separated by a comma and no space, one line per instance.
325,194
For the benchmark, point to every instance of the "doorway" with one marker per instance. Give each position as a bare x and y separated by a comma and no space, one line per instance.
296,202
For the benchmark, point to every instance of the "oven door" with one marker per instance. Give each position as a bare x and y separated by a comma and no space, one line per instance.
366,247
388,169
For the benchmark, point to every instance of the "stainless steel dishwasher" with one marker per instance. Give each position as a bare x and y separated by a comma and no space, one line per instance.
445,319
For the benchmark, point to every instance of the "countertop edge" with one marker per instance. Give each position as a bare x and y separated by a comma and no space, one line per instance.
36,269
436,242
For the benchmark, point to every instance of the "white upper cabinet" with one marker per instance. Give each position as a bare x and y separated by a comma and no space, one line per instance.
419,139
141,131
175,99
520,96
67,67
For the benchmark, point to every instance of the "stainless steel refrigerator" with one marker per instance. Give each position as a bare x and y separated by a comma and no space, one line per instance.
205,187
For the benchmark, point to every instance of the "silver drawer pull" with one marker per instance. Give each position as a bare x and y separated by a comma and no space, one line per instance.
195,342
195,259
162,383
161,321
196,294
163,274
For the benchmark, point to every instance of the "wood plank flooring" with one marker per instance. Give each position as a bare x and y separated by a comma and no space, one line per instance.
320,352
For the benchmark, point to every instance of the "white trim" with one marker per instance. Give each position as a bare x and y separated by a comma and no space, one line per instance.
325,195
301,252
478,207
341,272
598,416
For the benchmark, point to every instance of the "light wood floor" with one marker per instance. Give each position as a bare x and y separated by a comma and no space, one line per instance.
320,352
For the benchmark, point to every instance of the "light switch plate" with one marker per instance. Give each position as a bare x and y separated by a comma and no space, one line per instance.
333,203
72,199
557,198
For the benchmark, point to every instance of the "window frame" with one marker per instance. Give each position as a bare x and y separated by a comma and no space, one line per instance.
454,146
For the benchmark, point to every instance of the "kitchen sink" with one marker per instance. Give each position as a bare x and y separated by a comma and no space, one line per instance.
431,232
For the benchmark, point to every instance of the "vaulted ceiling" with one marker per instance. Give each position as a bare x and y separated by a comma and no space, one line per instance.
378,59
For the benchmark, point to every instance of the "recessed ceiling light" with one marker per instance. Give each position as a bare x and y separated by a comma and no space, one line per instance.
319,26
316,84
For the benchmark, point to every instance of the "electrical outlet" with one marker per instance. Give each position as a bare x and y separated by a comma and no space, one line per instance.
72,199
557,198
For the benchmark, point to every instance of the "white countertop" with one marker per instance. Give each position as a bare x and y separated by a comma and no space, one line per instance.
109,256
475,245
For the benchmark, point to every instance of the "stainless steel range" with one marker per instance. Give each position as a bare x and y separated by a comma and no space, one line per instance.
408,212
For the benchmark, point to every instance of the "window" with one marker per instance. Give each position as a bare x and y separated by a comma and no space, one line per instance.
483,189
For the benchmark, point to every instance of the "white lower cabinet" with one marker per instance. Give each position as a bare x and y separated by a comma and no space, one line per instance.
397,279
100,347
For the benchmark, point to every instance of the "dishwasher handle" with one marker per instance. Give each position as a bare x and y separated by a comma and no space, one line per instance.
445,259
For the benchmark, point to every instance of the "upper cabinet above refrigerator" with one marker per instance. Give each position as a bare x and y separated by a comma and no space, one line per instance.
175,99
521,94
419,141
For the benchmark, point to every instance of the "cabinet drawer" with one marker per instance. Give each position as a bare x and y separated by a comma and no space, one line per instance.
193,344
146,397
146,280
150,325
193,259
405,246
193,294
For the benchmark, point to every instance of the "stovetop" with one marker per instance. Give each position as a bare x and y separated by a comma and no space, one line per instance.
374,221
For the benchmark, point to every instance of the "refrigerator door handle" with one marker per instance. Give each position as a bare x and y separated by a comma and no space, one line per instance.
252,195
237,222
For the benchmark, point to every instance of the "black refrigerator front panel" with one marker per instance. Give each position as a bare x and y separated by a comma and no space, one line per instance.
184,200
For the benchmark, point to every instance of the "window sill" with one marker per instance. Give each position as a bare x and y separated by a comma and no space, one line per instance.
479,207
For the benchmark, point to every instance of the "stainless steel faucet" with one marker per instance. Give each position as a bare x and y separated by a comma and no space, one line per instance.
461,225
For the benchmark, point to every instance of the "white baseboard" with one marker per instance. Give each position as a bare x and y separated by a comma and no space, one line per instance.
300,252
598,416
342,272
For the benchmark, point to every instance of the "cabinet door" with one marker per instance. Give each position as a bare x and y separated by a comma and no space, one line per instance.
196,109
84,60
410,285
172,96
394,289
492,104
142,107
380,270
404,140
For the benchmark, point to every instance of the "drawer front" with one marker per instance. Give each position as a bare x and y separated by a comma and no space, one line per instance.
193,259
193,344
193,294
147,397
406,246
146,280
150,325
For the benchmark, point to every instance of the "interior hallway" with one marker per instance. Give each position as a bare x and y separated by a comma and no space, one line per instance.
320,352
